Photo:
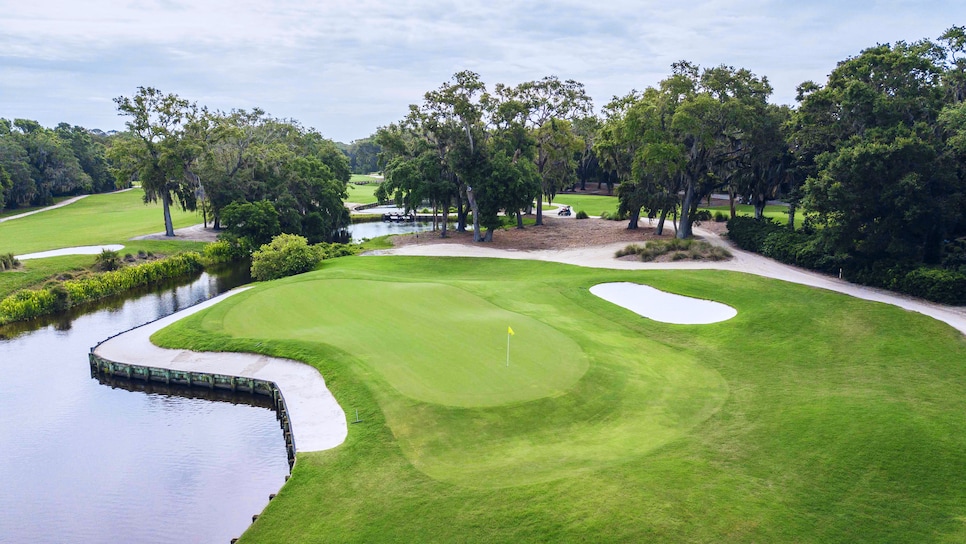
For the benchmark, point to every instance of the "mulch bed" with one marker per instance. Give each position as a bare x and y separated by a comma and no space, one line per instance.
555,233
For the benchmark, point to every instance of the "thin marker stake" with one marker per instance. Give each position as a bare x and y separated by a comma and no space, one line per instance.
509,333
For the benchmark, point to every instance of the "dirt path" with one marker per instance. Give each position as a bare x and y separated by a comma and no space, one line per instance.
194,233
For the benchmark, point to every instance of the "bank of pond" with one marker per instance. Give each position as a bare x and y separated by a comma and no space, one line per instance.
91,458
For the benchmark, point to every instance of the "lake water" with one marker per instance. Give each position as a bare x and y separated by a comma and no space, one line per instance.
365,231
85,462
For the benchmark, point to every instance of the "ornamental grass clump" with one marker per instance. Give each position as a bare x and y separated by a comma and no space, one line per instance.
8,262
676,250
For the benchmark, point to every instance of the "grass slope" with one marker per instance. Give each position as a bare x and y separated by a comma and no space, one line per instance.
809,417
97,219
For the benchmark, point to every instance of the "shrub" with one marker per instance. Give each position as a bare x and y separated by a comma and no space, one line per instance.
107,261
937,284
334,250
613,216
632,249
702,215
286,255
748,233
720,217
581,215
222,251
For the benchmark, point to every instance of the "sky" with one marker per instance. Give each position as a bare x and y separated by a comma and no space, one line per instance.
348,67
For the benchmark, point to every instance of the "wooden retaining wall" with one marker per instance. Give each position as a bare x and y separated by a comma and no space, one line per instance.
235,384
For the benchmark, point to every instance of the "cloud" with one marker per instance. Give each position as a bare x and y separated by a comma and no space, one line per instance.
348,67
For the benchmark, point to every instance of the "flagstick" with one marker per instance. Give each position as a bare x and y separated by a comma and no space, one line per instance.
508,349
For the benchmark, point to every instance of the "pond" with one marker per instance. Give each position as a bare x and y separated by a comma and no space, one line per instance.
84,461
365,231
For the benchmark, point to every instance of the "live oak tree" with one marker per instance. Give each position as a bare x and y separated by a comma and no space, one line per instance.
886,186
545,100
693,134
166,137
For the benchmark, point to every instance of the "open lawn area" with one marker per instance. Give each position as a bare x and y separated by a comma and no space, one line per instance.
98,219
777,213
7,212
362,194
809,417
592,204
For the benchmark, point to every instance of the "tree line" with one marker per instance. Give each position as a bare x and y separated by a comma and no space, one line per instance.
38,163
253,174
875,159
483,152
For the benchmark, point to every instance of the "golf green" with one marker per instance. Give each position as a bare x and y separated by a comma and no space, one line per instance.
433,342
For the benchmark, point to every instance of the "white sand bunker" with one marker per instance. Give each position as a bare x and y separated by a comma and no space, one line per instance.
79,250
661,306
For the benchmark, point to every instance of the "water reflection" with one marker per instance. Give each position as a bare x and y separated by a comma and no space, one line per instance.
84,462
365,231
170,296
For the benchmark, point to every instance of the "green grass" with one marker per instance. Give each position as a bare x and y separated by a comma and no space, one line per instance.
592,204
17,211
362,194
809,417
778,213
36,271
97,219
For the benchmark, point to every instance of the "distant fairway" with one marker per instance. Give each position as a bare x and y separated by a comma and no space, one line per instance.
362,194
591,204
97,219
808,417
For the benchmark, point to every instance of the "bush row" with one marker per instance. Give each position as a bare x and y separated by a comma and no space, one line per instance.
61,295
290,254
946,285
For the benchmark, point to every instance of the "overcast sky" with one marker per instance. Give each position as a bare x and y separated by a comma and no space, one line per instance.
349,66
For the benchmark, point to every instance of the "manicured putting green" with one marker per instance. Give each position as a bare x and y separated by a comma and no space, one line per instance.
432,342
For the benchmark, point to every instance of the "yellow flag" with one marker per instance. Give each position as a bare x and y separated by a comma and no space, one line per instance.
509,331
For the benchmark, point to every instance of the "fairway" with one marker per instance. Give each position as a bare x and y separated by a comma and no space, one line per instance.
807,417
362,194
98,219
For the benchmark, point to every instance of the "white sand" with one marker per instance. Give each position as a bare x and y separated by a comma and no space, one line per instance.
663,306
318,422
79,250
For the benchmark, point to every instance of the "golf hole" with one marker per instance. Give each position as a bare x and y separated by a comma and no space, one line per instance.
662,306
